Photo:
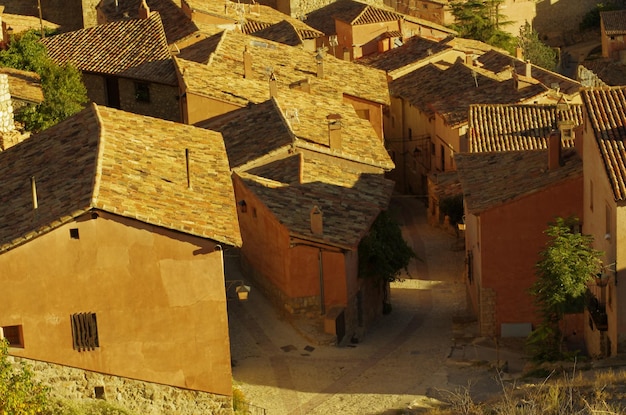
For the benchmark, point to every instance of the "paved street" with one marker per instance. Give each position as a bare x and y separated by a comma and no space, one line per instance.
417,350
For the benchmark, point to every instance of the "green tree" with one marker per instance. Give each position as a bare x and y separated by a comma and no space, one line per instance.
383,253
19,393
63,89
566,265
534,49
482,20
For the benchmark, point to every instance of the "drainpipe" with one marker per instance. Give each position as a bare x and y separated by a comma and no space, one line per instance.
321,269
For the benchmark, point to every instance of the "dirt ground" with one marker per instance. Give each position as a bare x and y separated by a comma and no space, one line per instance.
424,350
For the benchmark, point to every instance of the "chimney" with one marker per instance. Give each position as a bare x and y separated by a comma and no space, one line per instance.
554,150
247,63
469,59
334,131
346,54
529,69
273,86
319,58
144,10
317,224
519,53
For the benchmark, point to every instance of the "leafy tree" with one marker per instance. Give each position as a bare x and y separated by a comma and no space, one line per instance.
63,89
481,20
567,263
591,20
383,253
535,50
19,393
452,207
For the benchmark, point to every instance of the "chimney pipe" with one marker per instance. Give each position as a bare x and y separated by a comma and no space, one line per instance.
273,86
334,131
247,63
144,10
519,53
529,69
469,59
33,188
554,150
317,224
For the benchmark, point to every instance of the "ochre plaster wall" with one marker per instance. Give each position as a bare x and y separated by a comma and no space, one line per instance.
512,235
365,37
158,296
345,40
198,108
374,111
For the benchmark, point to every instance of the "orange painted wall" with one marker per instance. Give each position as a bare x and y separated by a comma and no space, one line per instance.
511,239
198,108
158,296
365,37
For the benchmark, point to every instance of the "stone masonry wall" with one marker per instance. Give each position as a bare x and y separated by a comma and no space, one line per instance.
140,397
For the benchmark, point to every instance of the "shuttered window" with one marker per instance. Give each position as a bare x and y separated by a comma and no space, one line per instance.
85,331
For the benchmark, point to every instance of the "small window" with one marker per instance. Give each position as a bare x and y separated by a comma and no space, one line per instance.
85,331
142,92
13,335
74,233
98,392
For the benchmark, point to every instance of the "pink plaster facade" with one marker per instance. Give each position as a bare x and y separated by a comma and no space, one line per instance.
158,296
502,248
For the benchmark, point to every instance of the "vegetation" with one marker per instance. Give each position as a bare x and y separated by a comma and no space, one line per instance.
383,253
64,92
20,394
481,20
567,263
591,20
535,50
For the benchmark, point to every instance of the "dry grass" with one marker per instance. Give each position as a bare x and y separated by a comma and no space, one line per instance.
572,392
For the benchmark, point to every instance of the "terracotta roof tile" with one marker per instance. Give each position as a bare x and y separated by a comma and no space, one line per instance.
516,127
350,200
134,49
449,92
349,11
175,23
413,50
493,179
24,85
122,163
614,22
299,120
222,77
497,62
606,110
283,32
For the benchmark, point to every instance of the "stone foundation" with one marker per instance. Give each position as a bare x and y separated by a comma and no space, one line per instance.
143,398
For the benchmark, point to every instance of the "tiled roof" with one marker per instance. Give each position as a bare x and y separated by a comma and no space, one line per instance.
349,200
349,11
606,110
516,127
297,119
175,23
413,50
283,32
496,62
606,72
449,92
21,23
493,179
222,78
122,163
24,85
135,49
429,24
614,22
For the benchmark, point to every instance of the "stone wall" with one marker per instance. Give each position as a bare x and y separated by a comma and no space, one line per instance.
6,106
140,397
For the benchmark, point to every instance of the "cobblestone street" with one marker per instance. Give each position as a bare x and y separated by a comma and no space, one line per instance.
418,350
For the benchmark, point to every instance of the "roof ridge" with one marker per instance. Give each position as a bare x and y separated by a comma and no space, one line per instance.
98,173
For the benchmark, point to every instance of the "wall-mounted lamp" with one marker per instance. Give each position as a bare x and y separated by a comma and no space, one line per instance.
240,289
243,206
602,279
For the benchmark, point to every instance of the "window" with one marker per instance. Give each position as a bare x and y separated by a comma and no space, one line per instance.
13,335
74,233
85,331
142,92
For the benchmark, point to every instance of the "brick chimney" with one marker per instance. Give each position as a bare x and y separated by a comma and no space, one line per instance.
554,150
334,131
144,10
317,222
469,59
247,63
273,85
